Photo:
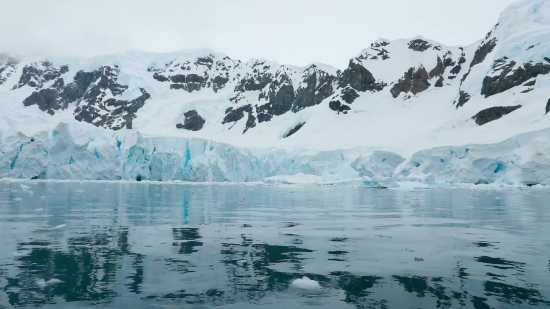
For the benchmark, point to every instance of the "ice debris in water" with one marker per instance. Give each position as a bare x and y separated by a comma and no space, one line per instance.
43,283
42,197
306,283
80,191
24,187
17,199
39,209
61,226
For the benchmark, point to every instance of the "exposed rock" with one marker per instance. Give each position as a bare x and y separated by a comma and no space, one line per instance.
337,106
504,77
294,130
462,99
359,78
48,100
415,80
456,69
37,74
280,96
349,95
120,113
439,82
190,83
531,83
234,115
193,121
419,45
438,70
219,83
493,113
548,107
318,86
483,50
190,76
90,90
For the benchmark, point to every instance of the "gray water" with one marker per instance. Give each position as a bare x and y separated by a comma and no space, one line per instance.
148,245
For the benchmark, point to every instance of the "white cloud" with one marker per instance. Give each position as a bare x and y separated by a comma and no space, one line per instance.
289,31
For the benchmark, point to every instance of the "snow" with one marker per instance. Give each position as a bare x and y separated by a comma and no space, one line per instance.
381,142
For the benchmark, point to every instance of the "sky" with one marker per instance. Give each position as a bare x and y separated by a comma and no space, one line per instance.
295,32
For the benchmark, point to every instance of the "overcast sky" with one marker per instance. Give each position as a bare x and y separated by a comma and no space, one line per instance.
294,32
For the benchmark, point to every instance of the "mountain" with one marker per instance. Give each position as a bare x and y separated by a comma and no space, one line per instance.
409,110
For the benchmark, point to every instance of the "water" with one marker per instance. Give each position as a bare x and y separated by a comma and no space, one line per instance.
123,245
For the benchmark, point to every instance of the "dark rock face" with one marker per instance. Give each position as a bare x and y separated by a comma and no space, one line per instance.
193,121
419,45
279,95
493,113
548,107
349,95
337,106
318,86
89,89
234,115
439,82
456,69
257,80
195,76
294,130
483,50
37,74
190,83
359,78
462,99
121,113
415,80
438,70
503,78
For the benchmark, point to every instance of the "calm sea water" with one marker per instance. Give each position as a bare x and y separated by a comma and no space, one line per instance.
124,245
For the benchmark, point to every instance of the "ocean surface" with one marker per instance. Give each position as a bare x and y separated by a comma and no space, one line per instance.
153,245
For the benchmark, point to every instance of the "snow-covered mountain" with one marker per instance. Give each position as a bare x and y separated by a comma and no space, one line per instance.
403,110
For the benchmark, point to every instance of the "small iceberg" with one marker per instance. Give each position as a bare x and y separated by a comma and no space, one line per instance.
44,283
58,227
306,283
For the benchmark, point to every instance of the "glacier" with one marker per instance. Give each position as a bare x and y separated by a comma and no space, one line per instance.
68,153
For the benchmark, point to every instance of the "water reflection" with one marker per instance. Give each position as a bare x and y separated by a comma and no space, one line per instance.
142,250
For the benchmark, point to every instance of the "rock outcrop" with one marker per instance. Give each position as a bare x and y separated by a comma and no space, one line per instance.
493,113
507,74
193,121
414,81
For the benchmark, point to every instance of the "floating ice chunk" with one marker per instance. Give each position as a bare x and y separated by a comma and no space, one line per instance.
44,283
80,191
24,187
22,253
306,283
42,197
17,199
39,209
61,226
167,216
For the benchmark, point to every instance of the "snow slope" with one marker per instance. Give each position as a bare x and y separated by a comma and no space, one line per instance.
403,110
